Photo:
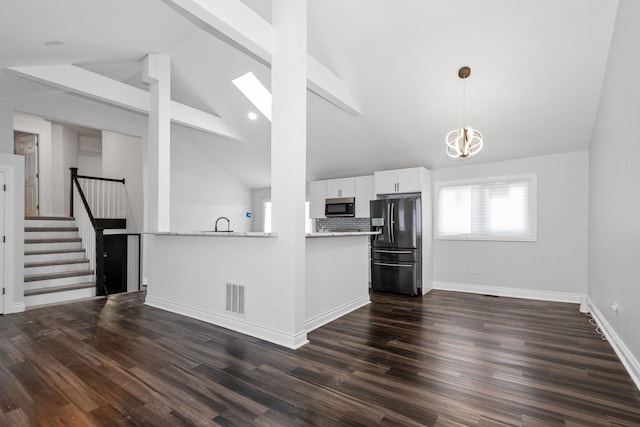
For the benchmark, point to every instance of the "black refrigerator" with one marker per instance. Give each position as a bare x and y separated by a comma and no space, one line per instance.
396,256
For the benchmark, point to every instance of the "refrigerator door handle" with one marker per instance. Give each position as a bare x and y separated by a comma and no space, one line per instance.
392,222
389,222
384,264
388,251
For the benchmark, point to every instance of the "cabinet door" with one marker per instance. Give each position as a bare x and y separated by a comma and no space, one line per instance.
344,187
317,195
364,194
409,180
385,182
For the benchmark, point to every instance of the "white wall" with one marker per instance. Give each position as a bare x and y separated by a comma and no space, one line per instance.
336,277
90,165
89,156
553,267
122,158
64,155
201,191
614,205
188,275
258,197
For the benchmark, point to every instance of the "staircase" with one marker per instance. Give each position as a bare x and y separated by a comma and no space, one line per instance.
56,267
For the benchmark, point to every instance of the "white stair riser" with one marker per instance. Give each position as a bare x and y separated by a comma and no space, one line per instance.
54,257
58,268
39,284
48,223
55,297
51,234
28,247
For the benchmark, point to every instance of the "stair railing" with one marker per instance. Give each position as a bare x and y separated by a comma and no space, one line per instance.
91,233
106,197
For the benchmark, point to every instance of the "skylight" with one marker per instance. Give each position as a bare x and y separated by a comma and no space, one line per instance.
255,91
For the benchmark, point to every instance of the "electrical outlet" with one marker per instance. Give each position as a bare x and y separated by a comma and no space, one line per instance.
475,270
615,307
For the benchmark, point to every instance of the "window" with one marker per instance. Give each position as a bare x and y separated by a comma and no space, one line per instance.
308,222
267,217
489,209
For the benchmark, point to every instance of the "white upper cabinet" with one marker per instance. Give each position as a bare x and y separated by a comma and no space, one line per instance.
365,192
386,182
317,195
399,181
344,187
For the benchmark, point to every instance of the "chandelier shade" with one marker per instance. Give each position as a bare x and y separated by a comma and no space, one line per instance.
463,142
466,141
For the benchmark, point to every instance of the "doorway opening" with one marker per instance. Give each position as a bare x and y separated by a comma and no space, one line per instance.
26,144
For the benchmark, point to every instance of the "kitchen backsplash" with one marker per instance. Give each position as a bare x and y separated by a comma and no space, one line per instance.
342,224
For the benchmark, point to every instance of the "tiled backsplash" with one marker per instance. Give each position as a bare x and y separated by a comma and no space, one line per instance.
342,224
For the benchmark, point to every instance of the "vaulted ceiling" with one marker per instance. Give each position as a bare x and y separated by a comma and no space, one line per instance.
537,71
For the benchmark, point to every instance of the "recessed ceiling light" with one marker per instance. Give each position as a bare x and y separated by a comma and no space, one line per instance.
252,115
53,43
255,91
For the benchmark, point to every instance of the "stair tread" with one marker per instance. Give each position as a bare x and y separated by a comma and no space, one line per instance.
53,251
49,229
63,288
61,240
57,275
49,218
56,262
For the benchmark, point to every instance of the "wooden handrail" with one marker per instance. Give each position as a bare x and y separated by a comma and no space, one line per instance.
98,178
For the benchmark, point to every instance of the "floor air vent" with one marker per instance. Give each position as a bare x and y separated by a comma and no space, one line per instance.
235,299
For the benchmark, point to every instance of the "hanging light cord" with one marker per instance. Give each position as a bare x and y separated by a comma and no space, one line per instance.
464,104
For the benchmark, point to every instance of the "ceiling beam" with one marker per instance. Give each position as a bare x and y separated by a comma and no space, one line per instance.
238,25
78,80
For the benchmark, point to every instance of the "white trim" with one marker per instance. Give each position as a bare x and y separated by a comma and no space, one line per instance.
509,292
331,315
622,351
276,337
10,281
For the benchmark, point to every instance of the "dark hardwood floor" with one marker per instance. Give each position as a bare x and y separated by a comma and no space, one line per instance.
444,359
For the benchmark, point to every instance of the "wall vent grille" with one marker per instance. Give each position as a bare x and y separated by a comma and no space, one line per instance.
235,299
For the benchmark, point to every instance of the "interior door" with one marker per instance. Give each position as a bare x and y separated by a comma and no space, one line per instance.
27,145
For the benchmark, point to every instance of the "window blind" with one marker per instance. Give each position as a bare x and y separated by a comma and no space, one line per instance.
492,209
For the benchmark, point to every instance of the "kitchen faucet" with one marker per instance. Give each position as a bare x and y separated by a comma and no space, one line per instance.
228,223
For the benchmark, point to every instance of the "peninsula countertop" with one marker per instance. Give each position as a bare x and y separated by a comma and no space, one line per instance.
260,233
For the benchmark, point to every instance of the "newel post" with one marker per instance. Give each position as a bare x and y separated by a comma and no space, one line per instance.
74,175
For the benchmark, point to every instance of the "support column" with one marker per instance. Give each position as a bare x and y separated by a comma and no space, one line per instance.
289,155
157,158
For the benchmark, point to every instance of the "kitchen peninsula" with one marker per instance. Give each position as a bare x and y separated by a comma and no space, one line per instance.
189,273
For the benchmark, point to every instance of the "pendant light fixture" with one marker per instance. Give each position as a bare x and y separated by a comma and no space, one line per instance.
466,141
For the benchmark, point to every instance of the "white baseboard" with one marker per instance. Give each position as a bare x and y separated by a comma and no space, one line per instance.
332,315
18,307
276,337
624,354
509,292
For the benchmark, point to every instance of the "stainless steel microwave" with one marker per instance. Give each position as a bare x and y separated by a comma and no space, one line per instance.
343,206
